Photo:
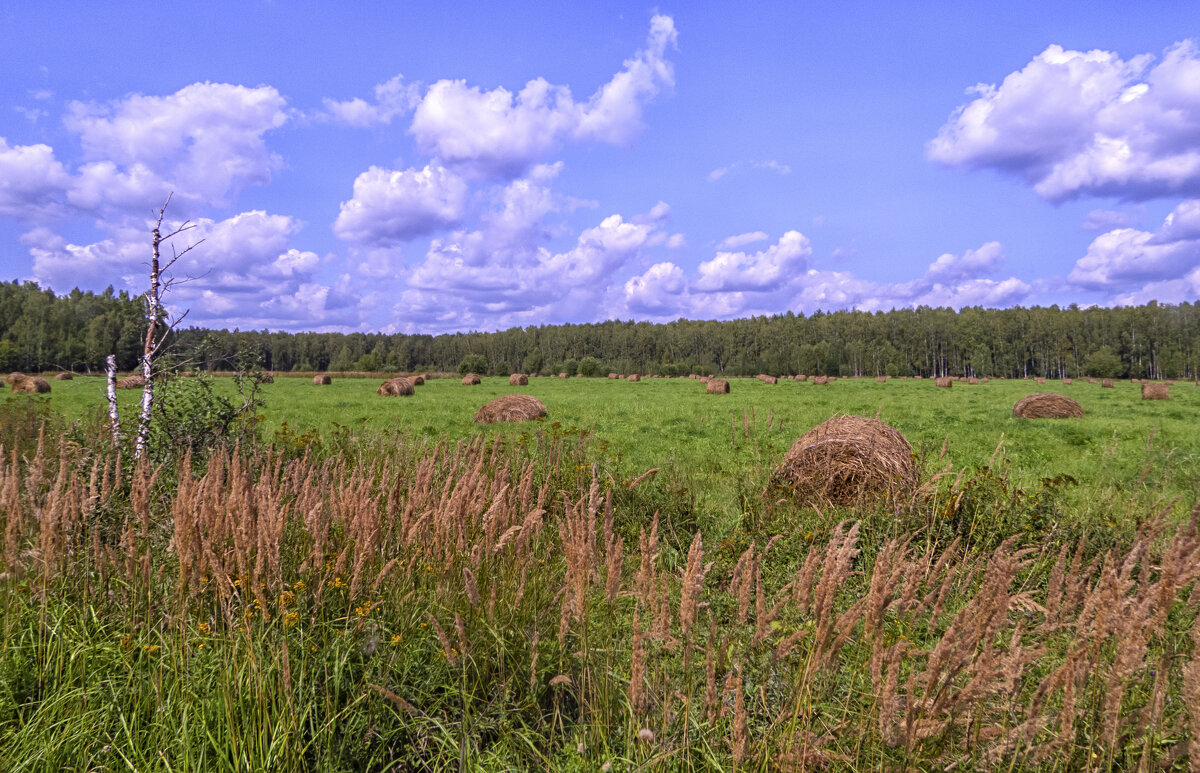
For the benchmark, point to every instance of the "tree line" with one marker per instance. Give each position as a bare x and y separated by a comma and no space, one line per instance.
42,331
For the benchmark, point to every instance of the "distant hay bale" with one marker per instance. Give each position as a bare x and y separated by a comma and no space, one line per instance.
1040,380
972,381
880,379
634,377
716,386
918,376
31,385
763,377
418,381
1068,381
612,375
820,380
1047,405
267,378
322,379
1091,381
396,387
846,460
802,377
1169,382
471,379
1152,391
562,375
518,379
944,381
1106,383
131,382
64,376
187,374
511,408
983,380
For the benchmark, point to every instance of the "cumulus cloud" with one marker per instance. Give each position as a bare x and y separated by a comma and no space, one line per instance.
1075,123
770,166
391,206
1131,263
501,134
393,98
1107,220
741,240
738,271
32,181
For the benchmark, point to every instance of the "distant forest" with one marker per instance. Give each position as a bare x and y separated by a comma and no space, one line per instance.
41,331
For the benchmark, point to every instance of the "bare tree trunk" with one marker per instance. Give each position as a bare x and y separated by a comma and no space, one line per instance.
152,309
110,370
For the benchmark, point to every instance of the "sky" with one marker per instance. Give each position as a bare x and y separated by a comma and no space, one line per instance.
444,167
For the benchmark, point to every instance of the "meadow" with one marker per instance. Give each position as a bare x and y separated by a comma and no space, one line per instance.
381,584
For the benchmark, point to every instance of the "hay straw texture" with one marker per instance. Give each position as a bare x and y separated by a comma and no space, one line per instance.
418,381
716,386
635,377
1068,381
1152,391
847,460
511,408
322,380
1106,383
187,374
518,379
131,382
268,378
973,381
1040,380
612,375
802,377
880,379
63,376
820,380
471,379
396,387
1047,405
763,377
945,381
31,385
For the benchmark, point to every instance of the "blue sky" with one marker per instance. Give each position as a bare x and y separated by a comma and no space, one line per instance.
443,167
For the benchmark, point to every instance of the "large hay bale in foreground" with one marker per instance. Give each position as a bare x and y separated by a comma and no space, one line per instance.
1106,383
1151,391
821,380
634,377
518,379
511,408
31,385
716,386
64,376
944,381
322,379
1047,405
471,379
847,460
396,387
135,381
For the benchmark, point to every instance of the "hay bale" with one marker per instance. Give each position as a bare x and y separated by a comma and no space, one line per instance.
1106,383
135,381
1068,381
562,375
64,376
1151,391
31,385
471,379
820,380
1169,382
918,376
396,387
418,381
612,375
267,378
972,381
511,408
1091,381
802,377
1040,380
763,377
847,460
634,377
944,381
322,379
518,379
187,374
716,386
1047,405
880,379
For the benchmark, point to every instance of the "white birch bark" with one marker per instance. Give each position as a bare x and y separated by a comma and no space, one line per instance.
110,370
152,311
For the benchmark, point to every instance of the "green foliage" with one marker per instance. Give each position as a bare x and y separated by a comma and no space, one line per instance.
473,363
1104,363
570,367
533,361
589,366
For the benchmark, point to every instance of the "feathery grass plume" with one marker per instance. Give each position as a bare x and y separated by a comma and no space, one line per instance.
648,556
741,583
740,738
1190,695
470,587
693,582
613,557
444,640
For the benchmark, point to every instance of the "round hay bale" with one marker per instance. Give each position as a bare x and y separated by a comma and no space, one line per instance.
612,375
1068,381
1091,381
763,377
716,386
518,379
418,381
918,376
511,408
1040,380
983,380
471,379
64,376
880,379
1169,382
136,381
322,379
820,380
944,381
187,374
31,385
1152,391
1047,405
563,375
1106,383
802,377
396,387
846,460
634,377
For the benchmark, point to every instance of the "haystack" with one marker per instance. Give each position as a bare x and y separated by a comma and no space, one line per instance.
31,385
418,381
1152,391
131,382
1047,405
267,378
1040,380
518,379
187,374
716,386
880,379
1068,381
322,380
848,459
763,377
945,381
634,377
64,376
396,387
15,376
1106,383
802,377
972,381
820,380
563,375
471,379
612,375
511,408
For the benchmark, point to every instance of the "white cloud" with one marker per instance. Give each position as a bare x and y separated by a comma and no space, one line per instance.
741,240
32,182
392,206
1075,123
770,166
766,269
500,134
1107,220
393,98
1125,262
